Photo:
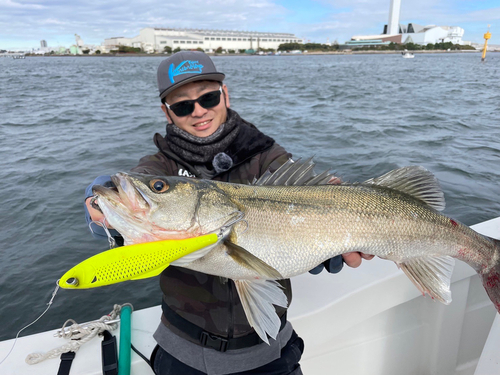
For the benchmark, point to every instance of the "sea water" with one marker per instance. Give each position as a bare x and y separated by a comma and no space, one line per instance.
66,120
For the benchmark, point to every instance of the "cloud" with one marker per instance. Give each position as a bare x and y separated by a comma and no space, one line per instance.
53,21
59,20
13,4
316,20
363,17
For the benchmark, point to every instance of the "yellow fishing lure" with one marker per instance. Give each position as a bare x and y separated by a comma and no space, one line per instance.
132,262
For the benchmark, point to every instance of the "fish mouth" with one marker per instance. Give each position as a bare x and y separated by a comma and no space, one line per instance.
125,207
124,194
128,210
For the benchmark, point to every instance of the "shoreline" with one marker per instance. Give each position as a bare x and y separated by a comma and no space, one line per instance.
283,54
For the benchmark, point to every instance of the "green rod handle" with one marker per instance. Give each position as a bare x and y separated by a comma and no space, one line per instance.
125,341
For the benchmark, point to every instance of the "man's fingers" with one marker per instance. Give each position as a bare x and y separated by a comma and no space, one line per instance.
334,181
352,259
95,215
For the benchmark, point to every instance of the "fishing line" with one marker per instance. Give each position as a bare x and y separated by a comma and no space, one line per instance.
111,240
33,322
79,334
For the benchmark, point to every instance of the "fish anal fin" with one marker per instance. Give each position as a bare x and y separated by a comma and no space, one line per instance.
415,181
258,298
246,259
431,275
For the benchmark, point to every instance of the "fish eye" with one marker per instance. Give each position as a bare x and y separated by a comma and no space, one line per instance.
158,186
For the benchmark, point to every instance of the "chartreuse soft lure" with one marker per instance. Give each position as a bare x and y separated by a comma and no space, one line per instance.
132,262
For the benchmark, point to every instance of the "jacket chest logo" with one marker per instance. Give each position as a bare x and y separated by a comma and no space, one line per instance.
185,173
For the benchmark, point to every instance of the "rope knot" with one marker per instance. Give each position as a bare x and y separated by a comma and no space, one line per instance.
79,334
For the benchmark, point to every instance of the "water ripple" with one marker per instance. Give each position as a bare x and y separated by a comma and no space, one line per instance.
66,120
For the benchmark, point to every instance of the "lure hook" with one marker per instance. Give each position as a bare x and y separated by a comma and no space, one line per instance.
240,216
111,240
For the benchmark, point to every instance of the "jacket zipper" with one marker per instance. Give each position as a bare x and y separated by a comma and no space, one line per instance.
230,330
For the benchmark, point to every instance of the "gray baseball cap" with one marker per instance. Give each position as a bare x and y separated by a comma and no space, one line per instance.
184,67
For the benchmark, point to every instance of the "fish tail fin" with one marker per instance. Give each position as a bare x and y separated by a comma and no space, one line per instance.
491,277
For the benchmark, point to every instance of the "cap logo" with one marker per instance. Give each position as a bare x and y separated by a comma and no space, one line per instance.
185,67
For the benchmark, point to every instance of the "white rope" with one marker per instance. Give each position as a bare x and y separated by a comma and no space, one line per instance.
78,334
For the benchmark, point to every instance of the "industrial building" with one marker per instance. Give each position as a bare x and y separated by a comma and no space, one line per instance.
152,39
411,33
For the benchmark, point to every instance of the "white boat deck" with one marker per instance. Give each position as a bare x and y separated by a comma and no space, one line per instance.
369,320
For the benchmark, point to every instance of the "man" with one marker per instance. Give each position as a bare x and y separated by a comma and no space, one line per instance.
203,326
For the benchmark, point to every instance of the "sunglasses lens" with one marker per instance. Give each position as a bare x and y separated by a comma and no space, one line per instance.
186,107
182,109
210,99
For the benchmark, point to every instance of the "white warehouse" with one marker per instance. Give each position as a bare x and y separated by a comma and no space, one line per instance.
411,33
153,39
431,34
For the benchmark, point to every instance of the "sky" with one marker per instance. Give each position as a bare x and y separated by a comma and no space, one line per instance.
23,23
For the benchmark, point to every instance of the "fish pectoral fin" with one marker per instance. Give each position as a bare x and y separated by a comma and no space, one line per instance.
189,258
258,298
246,259
152,273
431,275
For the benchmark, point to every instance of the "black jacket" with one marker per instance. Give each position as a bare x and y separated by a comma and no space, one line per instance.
205,300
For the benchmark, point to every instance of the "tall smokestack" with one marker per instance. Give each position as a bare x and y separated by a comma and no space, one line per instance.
394,13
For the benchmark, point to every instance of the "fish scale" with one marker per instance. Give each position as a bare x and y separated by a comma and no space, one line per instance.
289,239
289,229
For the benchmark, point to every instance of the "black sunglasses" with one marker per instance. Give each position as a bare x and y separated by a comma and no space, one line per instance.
186,107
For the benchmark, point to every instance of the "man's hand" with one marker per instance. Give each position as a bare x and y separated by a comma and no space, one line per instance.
354,259
335,264
95,214
334,181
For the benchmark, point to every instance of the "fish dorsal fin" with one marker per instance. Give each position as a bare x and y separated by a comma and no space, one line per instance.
415,181
246,259
298,173
431,276
258,298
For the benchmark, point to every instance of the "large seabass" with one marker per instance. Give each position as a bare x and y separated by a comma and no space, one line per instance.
288,222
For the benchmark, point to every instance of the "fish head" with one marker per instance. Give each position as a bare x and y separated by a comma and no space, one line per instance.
145,208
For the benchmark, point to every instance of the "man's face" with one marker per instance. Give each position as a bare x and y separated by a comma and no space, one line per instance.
202,122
